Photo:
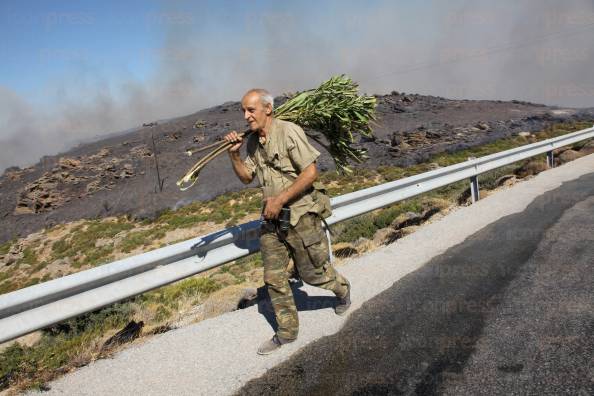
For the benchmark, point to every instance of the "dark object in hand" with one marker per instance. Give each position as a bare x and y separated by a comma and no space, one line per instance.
284,219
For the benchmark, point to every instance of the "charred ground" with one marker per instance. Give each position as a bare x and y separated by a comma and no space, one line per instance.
118,175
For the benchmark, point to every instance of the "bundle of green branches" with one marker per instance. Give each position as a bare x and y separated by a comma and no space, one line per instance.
334,108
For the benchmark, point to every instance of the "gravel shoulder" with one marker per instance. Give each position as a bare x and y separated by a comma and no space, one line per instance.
219,355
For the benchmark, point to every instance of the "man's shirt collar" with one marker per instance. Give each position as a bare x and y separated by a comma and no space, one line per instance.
265,140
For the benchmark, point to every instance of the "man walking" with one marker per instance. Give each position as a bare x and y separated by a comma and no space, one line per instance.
279,154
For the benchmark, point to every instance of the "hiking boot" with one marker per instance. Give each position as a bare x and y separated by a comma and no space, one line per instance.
272,345
344,303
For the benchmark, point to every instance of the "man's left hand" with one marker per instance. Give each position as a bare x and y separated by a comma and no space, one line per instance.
273,207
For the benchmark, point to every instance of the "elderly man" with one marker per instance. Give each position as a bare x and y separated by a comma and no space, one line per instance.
285,163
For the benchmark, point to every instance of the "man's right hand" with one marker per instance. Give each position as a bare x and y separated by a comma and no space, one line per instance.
233,137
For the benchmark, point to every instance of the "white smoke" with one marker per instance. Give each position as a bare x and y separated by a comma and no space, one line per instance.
535,50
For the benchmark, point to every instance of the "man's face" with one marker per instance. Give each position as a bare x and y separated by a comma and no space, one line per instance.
255,113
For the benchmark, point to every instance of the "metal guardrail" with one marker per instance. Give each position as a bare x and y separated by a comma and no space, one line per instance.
42,305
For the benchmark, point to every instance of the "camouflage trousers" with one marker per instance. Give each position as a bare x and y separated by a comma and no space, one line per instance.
306,243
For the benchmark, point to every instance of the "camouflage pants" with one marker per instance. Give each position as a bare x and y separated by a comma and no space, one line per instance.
306,243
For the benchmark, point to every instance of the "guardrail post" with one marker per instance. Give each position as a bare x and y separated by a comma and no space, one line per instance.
550,159
474,188
474,185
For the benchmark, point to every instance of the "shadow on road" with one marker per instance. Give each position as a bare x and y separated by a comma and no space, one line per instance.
418,336
303,301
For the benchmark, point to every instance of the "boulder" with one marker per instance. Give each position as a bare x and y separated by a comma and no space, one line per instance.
141,151
221,301
14,174
406,219
249,298
363,245
385,236
22,208
109,167
532,168
41,195
560,150
506,180
67,177
587,150
404,146
433,134
127,172
93,186
9,258
173,136
417,138
68,163
15,253
483,126
569,155
104,152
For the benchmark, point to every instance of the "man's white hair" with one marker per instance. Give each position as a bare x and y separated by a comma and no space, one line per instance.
265,96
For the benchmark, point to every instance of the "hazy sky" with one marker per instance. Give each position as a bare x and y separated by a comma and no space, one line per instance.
73,70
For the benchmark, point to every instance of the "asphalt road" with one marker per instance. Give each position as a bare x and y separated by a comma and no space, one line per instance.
508,311
427,315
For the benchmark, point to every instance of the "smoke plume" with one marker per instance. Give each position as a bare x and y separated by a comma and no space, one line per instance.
534,50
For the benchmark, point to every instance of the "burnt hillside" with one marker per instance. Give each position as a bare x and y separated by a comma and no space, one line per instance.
118,175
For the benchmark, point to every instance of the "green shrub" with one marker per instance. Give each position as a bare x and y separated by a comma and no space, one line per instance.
31,282
184,221
192,287
4,276
140,238
81,241
29,256
220,215
249,262
60,247
386,216
58,345
40,266
391,173
96,322
5,248
361,226
16,361
99,255
7,286
162,313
